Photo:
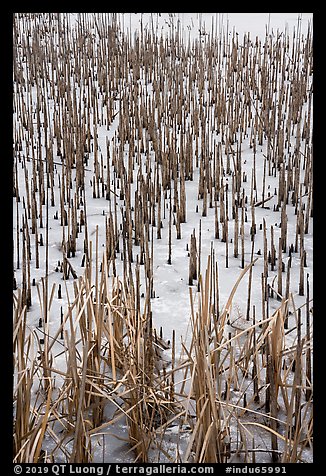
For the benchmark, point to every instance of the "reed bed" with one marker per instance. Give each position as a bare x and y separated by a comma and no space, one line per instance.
126,143
238,378
113,356
235,374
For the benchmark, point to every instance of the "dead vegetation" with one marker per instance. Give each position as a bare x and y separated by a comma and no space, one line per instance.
174,112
